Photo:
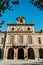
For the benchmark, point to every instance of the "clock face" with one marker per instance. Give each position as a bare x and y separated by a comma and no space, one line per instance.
19,28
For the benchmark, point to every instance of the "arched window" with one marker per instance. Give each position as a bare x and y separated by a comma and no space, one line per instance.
20,39
1,54
41,53
21,20
29,39
12,39
31,53
12,29
10,53
20,53
28,29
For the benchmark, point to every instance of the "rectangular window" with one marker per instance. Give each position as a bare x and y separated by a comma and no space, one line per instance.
2,41
30,39
12,39
20,39
39,40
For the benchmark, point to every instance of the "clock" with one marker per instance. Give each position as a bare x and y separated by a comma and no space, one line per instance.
19,28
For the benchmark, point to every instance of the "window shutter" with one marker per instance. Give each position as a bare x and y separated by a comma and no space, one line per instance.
29,39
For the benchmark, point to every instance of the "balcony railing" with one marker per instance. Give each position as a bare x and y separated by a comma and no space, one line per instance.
19,44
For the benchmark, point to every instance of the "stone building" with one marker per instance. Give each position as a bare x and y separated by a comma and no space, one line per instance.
21,41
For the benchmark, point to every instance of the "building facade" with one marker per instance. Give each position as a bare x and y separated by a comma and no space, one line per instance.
21,41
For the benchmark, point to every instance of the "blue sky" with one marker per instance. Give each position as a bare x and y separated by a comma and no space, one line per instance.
26,9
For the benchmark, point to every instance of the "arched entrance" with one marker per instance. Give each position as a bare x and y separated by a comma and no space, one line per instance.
41,53
20,53
10,53
31,53
1,55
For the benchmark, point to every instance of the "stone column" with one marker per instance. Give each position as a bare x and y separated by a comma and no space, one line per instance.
5,54
15,53
37,53
25,54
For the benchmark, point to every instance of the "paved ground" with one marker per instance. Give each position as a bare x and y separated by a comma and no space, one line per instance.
20,62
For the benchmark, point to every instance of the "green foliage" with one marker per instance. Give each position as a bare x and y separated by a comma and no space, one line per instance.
5,4
1,23
38,3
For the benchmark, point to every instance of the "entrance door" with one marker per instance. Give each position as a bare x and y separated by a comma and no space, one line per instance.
20,53
31,53
1,56
41,53
10,53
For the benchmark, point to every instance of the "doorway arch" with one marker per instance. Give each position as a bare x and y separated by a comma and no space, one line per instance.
20,53
31,53
10,53
1,54
40,53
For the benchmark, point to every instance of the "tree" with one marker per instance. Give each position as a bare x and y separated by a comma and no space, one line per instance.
37,3
1,23
5,4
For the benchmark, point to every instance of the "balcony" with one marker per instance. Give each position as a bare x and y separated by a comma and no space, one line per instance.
19,44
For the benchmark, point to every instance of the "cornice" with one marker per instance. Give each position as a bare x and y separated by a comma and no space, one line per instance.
21,32
20,24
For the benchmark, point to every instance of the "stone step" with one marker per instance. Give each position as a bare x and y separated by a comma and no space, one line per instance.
19,62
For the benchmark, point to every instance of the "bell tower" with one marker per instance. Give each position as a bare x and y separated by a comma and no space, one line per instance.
20,20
